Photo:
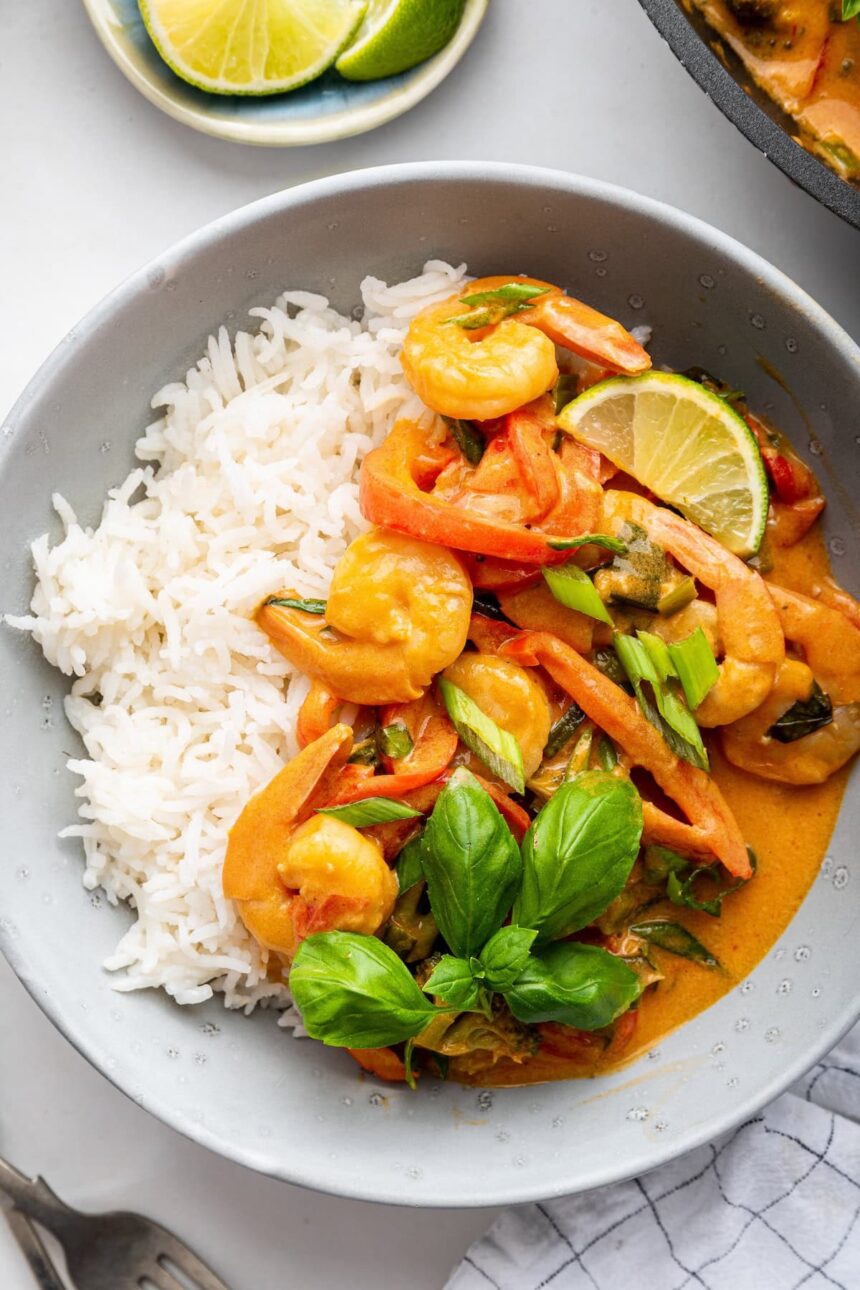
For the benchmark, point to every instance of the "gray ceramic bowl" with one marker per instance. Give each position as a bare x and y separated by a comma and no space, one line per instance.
239,1085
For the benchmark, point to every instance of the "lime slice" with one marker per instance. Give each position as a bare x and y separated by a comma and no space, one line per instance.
397,34
685,444
250,46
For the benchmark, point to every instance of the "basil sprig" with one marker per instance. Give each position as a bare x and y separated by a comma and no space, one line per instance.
471,862
803,717
577,985
578,853
354,992
675,939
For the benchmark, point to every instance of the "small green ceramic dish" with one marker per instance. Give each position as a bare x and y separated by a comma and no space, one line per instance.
329,108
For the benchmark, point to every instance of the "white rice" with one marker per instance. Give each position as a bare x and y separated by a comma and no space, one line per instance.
248,483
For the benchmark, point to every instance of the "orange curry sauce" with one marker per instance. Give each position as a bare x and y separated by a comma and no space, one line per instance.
807,61
789,829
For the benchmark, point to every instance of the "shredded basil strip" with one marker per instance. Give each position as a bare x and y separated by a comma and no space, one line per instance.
675,939
805,716
307,606
564,729
370,810
467,437
487,604
589,539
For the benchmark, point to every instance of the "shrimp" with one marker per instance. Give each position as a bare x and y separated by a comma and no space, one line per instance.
712,829
488,372
510,696
810,760
831,648
748,624
400,609
293,873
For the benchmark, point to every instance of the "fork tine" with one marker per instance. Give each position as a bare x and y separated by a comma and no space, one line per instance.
160,1277
187,1262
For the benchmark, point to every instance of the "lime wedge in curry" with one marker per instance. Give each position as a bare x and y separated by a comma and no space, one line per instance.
245,47
685,444
397,34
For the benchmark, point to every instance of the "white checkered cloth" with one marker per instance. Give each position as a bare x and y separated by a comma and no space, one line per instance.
775,1205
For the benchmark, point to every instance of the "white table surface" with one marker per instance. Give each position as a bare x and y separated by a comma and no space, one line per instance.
93,182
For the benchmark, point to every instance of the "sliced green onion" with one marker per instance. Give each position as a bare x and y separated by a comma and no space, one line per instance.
695,665
573,588
658,652
370,810
563,729
395,741
607,754
588,539
476,319
683,593
306,606
675,939
668,712
496,748
468,439
511,293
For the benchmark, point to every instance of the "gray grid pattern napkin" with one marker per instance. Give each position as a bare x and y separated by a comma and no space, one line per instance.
775,1205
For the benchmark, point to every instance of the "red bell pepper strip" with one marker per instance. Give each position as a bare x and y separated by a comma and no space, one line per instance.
390,495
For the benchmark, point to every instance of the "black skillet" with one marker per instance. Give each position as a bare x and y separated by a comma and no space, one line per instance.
749,108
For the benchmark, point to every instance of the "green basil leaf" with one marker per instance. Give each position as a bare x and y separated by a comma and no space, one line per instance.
681,886
307,606
354,992
395,741
472,864
675,939
588,539
409,864
497,748
505,955
487,605
452,982
578,853
659,862
408,1064
467,437
370,810
803,717
850,9
578,985
563,730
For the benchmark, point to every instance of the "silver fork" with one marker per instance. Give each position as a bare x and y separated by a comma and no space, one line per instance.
116,1251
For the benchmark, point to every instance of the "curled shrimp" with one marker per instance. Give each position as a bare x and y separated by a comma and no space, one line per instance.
830,644
710,829
292,872
751,637
488,372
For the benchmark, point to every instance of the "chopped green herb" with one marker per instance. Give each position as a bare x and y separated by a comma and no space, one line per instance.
467,437
563,729
370,810
588,539
676,597
366,752
608,662
395,741
850,9
803,717
573,588
675,939
307,606
496,748
410,868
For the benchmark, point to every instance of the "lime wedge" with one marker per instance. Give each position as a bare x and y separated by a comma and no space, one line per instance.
249,46
397,34
685,444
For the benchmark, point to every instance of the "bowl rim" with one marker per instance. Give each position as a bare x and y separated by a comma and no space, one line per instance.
244,217
292,134
798,163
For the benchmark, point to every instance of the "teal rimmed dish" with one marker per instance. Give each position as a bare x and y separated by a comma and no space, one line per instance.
326,109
